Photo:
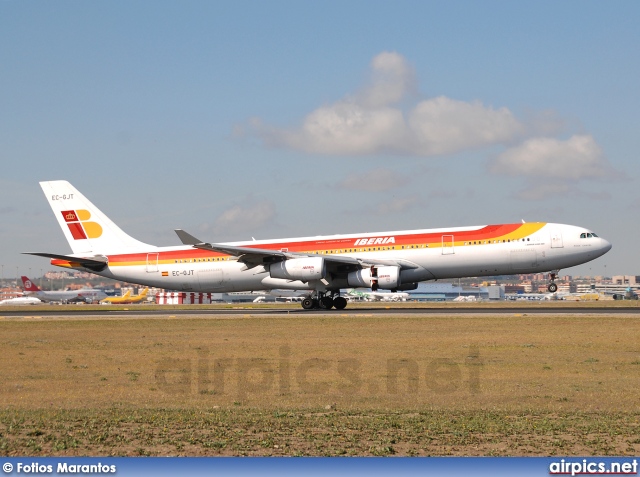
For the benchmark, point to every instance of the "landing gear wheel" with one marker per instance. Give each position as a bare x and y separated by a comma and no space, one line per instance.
326,303
340,302
552,288
308,304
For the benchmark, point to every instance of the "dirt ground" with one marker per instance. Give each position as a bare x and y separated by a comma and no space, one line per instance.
321,385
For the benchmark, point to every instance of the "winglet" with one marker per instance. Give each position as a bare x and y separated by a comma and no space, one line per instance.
187,238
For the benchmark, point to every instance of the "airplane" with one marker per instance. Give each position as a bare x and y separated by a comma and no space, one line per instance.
21,300
377,296
287,295
127,298
322,266
88,295
117,299
465,298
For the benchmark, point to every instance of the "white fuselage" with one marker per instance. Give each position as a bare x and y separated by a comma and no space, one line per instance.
88,295
21,300
433,254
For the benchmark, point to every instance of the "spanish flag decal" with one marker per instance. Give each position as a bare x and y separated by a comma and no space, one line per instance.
165,274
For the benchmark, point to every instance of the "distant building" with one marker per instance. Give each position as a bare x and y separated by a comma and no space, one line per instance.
449,291
625,280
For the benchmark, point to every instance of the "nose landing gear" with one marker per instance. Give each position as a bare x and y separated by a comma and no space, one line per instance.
552,287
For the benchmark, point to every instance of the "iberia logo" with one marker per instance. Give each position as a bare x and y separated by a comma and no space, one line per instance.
77,221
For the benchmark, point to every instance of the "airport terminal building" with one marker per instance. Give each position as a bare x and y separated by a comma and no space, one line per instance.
450,291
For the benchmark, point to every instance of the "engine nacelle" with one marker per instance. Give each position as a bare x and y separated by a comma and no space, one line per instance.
388,277
360,279
376,277
303,269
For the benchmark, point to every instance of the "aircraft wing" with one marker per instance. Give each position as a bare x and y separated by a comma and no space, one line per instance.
253,257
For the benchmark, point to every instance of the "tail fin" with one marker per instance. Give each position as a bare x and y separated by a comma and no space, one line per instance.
86,228
29,285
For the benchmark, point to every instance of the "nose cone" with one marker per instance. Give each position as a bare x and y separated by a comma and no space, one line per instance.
605,246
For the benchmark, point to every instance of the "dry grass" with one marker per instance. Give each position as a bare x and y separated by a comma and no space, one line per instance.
321,385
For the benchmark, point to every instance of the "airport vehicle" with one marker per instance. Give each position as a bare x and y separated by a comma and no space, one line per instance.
127,298
87,295
394,261
21,300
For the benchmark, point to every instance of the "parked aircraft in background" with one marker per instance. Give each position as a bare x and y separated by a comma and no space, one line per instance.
288,295
127,298
21,300
88,295
117,299
394,261
377,296
466,298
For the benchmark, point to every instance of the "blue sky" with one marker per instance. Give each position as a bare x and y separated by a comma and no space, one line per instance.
282,119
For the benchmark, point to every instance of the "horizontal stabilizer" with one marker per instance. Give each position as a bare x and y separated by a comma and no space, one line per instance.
96,263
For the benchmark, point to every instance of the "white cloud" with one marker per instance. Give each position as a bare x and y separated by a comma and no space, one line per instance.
249,216
577,158
442,126
343,128
553,168
376,180
391,78
370,122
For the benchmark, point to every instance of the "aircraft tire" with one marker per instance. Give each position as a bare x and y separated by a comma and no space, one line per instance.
552,288
340,303
326,303
308,304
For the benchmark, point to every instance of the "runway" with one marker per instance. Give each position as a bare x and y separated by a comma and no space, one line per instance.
295,311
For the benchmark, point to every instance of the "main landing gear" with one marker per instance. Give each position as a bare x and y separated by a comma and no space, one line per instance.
324,301
552,287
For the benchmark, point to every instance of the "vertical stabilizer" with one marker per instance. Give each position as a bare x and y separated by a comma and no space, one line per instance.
86,228
29,285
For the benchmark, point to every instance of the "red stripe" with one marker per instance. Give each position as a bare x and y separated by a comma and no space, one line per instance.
485,233
77,231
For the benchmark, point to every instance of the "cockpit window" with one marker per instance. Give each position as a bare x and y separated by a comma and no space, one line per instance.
594,235
583,235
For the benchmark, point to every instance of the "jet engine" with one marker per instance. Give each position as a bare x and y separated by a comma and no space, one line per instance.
385,277
304,269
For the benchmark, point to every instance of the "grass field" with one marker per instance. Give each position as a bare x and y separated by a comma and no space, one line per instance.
321,385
